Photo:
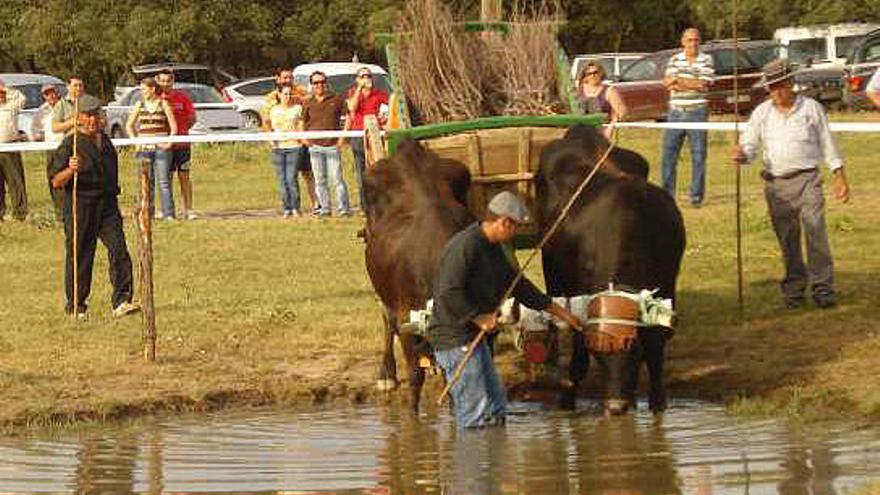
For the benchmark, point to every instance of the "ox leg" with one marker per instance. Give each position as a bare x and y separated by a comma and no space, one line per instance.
388,368
577,370
654,355
415,348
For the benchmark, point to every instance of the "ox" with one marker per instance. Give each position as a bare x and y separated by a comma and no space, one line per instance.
621,230
415,203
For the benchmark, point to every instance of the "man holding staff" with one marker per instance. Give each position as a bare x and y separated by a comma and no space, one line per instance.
97,210
794,133
471,280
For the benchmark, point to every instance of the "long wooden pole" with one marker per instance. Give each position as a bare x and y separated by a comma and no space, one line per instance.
739,261
456,375
145,258
75,226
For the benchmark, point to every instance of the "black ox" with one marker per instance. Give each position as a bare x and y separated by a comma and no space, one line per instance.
415,203
623,230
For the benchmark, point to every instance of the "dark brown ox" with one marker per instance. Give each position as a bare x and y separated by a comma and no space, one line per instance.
623,230
415,203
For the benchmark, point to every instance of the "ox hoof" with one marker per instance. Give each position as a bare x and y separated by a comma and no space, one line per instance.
386,385
616,407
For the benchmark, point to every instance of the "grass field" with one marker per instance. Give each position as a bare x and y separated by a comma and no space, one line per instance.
256,311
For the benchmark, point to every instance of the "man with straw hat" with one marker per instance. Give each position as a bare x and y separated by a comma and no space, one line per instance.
796,139
97,211
472,277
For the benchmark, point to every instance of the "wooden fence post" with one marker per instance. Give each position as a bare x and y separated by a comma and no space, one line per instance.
145,257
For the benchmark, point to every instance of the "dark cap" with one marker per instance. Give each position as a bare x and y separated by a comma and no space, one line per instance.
507,204
88,104
776,71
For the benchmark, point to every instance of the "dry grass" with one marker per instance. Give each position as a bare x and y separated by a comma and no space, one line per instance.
271,311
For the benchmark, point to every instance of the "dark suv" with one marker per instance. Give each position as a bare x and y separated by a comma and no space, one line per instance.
644,96
862,62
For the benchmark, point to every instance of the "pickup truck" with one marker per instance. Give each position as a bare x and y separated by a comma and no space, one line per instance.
644,97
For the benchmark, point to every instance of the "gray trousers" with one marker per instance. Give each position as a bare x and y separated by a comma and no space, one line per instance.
797,204
12,180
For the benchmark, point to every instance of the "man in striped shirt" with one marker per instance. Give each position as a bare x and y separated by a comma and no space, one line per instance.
689,74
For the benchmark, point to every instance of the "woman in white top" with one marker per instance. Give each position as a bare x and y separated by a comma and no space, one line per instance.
287,155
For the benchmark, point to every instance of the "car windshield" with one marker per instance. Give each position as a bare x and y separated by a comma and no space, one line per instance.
724,62
33,96
844,44
645,69
763,54
256,88
809,49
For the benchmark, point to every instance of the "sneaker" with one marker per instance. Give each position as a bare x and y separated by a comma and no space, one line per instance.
125,308
189,215
825,302
345,213
287,213
295,213
159,216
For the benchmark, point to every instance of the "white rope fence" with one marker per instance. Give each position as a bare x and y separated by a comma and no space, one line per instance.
284,136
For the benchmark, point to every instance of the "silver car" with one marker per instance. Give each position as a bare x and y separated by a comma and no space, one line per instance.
249,97
212,113
30,85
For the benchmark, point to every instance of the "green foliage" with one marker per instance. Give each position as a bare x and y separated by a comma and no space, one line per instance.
100,39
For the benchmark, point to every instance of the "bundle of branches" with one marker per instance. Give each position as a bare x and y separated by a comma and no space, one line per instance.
450,74
525,65
437,65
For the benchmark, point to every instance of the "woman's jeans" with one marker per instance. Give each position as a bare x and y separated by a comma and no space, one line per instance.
287,162
327,169
478,397
159,165
360,162
672,141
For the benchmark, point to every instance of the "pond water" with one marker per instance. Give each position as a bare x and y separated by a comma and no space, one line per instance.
695,448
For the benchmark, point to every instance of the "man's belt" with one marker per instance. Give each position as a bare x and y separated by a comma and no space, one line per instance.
769,177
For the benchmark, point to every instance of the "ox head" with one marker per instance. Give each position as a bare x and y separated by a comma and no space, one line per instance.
415,180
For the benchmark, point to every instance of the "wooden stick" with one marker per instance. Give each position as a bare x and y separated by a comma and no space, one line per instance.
519,275
145,259
739,263
75,228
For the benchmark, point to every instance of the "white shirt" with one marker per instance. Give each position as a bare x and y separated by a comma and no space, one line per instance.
41,127
797,140
9,115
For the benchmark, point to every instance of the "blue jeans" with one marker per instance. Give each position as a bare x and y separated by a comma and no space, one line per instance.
672,141
360,162
287,162
478,397
160,164
327,167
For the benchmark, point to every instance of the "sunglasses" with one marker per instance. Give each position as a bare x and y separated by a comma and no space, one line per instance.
366,76
322,81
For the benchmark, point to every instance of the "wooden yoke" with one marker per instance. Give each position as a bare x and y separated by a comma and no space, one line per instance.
374,145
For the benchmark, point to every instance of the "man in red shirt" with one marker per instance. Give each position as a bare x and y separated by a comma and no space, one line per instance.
185,116
362,100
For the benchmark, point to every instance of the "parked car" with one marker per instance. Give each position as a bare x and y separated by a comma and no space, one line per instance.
183,73
644,96
341,75
864,60
614,63
30,85
212,113
821,46
248,97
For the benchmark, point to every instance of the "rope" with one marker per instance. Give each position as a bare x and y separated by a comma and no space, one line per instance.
519,275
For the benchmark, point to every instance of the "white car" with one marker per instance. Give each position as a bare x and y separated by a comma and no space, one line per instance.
249,96
341,75
30,85
613,63
212,113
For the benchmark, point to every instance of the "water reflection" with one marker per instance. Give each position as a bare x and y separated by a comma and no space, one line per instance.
694,449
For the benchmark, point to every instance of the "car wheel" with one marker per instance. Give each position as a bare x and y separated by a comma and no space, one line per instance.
251,120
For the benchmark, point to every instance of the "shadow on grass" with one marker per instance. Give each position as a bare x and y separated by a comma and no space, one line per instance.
720,354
